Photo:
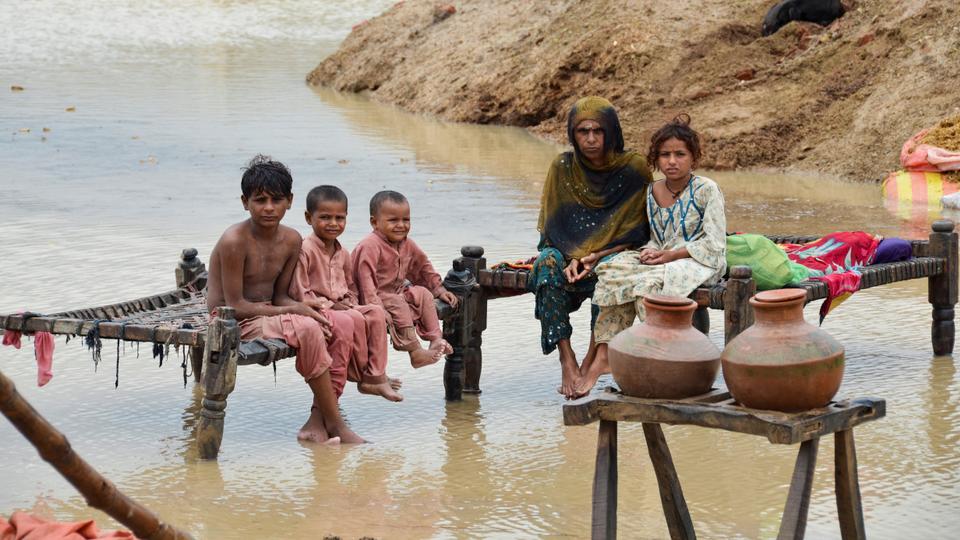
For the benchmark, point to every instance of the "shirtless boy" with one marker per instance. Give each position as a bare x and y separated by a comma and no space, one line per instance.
250,270
324,280
393,272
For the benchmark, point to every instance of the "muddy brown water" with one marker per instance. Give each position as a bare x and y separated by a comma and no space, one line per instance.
96,210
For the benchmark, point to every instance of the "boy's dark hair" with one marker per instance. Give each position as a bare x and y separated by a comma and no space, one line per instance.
382,196
678,128
325,193
264,174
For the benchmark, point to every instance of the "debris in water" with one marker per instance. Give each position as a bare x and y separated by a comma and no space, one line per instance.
151,160
24,130
71,109
343,161
46,130
16,88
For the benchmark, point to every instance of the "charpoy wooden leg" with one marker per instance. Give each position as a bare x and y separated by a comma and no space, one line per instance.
189,268
737,313
474,326
604,519
671,496
794,522
219,379
701,320
849,507
942,289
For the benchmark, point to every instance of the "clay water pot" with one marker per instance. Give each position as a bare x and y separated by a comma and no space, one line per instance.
665,356
782,362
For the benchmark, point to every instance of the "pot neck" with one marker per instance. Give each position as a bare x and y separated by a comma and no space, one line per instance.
772,313
669,316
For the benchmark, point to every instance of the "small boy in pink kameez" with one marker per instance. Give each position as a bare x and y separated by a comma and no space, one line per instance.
324,280
250,270
392,271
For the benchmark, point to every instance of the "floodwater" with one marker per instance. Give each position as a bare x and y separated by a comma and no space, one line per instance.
169,99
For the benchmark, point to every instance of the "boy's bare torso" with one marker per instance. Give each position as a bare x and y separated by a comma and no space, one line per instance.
262,261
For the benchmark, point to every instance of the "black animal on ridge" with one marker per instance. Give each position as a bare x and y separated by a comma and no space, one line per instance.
822,12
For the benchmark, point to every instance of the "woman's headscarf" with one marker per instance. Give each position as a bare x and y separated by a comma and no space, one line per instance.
586,209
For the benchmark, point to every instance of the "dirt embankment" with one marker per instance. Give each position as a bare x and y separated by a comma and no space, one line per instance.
840,99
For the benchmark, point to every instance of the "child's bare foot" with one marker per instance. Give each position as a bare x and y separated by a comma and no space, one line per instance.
442,346
346,436
423,357
384,390
395,383
314,430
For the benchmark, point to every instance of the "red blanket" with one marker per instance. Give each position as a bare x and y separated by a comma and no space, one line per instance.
836,260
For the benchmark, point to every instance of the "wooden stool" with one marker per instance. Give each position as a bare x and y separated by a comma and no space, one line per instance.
717,409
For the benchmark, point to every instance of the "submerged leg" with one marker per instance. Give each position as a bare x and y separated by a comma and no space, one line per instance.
329,412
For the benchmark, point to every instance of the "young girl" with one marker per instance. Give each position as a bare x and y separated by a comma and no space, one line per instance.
687,245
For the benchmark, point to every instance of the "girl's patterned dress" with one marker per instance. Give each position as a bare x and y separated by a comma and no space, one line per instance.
695,221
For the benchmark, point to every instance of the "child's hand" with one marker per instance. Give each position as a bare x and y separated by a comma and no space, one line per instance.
301,308
449,298
318,304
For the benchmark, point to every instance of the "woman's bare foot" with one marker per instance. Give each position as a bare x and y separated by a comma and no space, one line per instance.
600,366
395,382
423,357
384,390
588,358
569,371
314,430
441,346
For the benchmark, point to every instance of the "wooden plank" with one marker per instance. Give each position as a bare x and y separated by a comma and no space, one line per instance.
604,516
671,496
794,522
849,507
509,279
779,428
485,278
252,352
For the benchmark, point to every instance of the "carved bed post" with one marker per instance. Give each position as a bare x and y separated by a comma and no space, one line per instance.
461,371
737,313
219,378
475,321
188,270
942,290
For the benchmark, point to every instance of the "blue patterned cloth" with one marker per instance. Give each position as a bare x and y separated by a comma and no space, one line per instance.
556,299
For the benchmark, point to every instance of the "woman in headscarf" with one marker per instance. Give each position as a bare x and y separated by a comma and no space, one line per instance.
593,205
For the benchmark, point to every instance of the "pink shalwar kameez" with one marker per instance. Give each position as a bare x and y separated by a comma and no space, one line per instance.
329,279
402,280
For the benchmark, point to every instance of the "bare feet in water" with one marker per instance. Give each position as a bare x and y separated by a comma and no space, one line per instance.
384,390
345,435
395,383
315,431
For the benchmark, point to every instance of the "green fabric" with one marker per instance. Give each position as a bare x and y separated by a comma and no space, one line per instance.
771,267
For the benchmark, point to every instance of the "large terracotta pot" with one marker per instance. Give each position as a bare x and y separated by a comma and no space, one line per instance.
782,362
665,356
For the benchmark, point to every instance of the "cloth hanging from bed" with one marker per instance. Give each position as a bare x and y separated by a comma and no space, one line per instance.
835,260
